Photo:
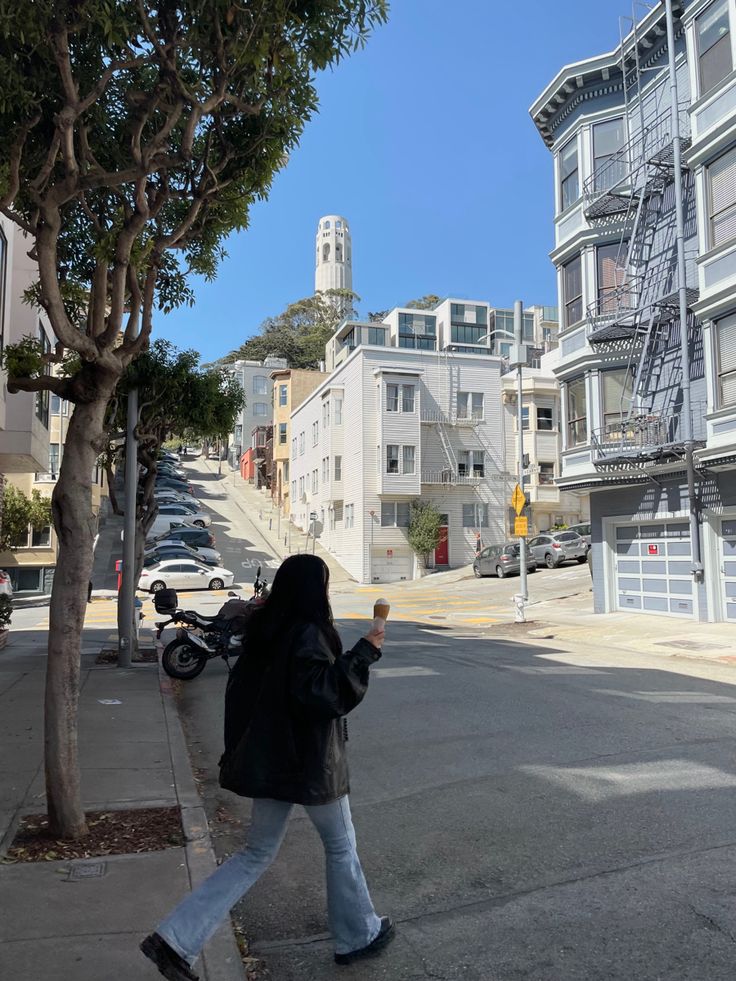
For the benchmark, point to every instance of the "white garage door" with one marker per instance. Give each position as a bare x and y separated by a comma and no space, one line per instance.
392,567
728,555
653,570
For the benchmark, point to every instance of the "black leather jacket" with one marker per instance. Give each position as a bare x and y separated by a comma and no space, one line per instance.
284,736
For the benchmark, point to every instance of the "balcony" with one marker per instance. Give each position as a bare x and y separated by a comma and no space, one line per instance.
643,164
646,438
435,418
447,476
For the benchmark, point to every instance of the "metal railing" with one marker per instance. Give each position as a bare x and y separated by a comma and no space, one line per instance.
646,434
625,172
449,477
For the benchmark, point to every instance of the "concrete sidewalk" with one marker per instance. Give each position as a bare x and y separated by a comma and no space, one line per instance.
133,754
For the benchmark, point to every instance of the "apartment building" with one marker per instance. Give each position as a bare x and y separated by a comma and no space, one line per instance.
290,387
644,334
390,425
255,379
550,506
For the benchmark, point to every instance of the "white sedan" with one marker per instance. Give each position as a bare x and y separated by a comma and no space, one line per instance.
184,574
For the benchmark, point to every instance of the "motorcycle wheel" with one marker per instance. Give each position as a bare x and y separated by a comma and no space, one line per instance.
182,660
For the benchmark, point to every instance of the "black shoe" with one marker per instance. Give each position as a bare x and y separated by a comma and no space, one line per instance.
385,935
166,959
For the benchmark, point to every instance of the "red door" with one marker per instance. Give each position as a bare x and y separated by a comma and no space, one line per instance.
442,552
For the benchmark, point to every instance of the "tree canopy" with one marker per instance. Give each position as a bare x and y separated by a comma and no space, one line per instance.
19,512
301,331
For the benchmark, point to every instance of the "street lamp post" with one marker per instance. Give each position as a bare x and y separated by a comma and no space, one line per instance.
519,359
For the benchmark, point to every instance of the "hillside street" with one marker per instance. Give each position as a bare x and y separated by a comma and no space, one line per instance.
524,810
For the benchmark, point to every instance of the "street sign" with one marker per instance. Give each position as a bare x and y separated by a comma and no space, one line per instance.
521,527
518,499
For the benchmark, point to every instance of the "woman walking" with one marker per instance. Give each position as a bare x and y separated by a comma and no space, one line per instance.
285,736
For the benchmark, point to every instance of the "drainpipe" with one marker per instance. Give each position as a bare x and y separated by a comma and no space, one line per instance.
697,561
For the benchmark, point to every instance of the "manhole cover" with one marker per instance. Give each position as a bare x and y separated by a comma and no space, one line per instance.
436,617
87,870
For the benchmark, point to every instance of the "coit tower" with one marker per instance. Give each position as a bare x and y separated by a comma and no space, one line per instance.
334,253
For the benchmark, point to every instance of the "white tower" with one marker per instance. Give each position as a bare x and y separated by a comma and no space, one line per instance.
334,269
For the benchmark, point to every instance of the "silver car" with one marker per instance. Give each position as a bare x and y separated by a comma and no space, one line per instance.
583,530
501,561
555,547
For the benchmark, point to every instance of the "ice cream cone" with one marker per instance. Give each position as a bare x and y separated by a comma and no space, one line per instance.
381,608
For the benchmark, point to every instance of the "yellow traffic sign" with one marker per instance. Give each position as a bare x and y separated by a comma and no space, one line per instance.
518,499
521,527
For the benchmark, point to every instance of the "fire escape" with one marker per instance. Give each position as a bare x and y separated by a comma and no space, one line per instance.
636,314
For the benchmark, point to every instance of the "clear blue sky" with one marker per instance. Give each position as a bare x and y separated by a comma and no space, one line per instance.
424,143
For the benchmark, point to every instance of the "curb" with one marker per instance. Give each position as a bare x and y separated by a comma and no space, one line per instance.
221,959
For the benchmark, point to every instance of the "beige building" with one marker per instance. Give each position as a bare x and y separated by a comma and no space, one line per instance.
291,386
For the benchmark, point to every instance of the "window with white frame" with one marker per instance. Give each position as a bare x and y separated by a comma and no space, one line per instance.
721,182
577,412
546,473
572,291
349,515
293,448
338,512
471,463
392,398
338,468
301,487
302,442
394,514
408,459
470,405
726,360
325,469
611,272
392,458
315,433
616,392
407,398
260,409
475,516
545,419
282,434
609,165
260,384
283,394
569,180
713,37
524,418
337,416
314,481
325,414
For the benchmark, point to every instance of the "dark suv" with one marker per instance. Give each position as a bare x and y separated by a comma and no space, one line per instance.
502,560
189,535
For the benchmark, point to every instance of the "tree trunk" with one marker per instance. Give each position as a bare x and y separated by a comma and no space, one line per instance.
111,477
75,528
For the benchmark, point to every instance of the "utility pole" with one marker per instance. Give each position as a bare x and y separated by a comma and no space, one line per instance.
126,598
687,413
519,356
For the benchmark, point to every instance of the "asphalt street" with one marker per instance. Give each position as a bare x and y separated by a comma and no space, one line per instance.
522,812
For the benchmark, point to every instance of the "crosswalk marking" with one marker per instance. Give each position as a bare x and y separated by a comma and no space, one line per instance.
408,672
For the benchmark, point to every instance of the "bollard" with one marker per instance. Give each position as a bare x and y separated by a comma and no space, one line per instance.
519,614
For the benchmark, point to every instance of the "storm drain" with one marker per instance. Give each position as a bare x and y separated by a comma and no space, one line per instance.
691,645
86,870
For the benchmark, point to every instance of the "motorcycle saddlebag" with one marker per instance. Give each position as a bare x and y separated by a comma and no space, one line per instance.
165,600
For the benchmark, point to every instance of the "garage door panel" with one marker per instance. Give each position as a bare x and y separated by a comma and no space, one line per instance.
729,568
681,606
729,548
660,581
647,565
657,604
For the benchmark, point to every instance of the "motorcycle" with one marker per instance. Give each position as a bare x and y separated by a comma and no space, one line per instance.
200,638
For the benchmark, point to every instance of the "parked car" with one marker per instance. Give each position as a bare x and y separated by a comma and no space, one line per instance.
555,547
184,574
583,530
6,587
502,561
188,534
164,522
171,548
187,513
181,551
174,497
169,455
213,455
173,483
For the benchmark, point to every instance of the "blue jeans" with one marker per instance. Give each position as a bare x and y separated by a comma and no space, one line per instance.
353,920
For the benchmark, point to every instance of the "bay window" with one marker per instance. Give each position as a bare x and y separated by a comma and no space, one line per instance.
572,291
577,413
713,34
726,341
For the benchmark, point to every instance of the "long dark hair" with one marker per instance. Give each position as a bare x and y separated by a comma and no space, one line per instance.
299,595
